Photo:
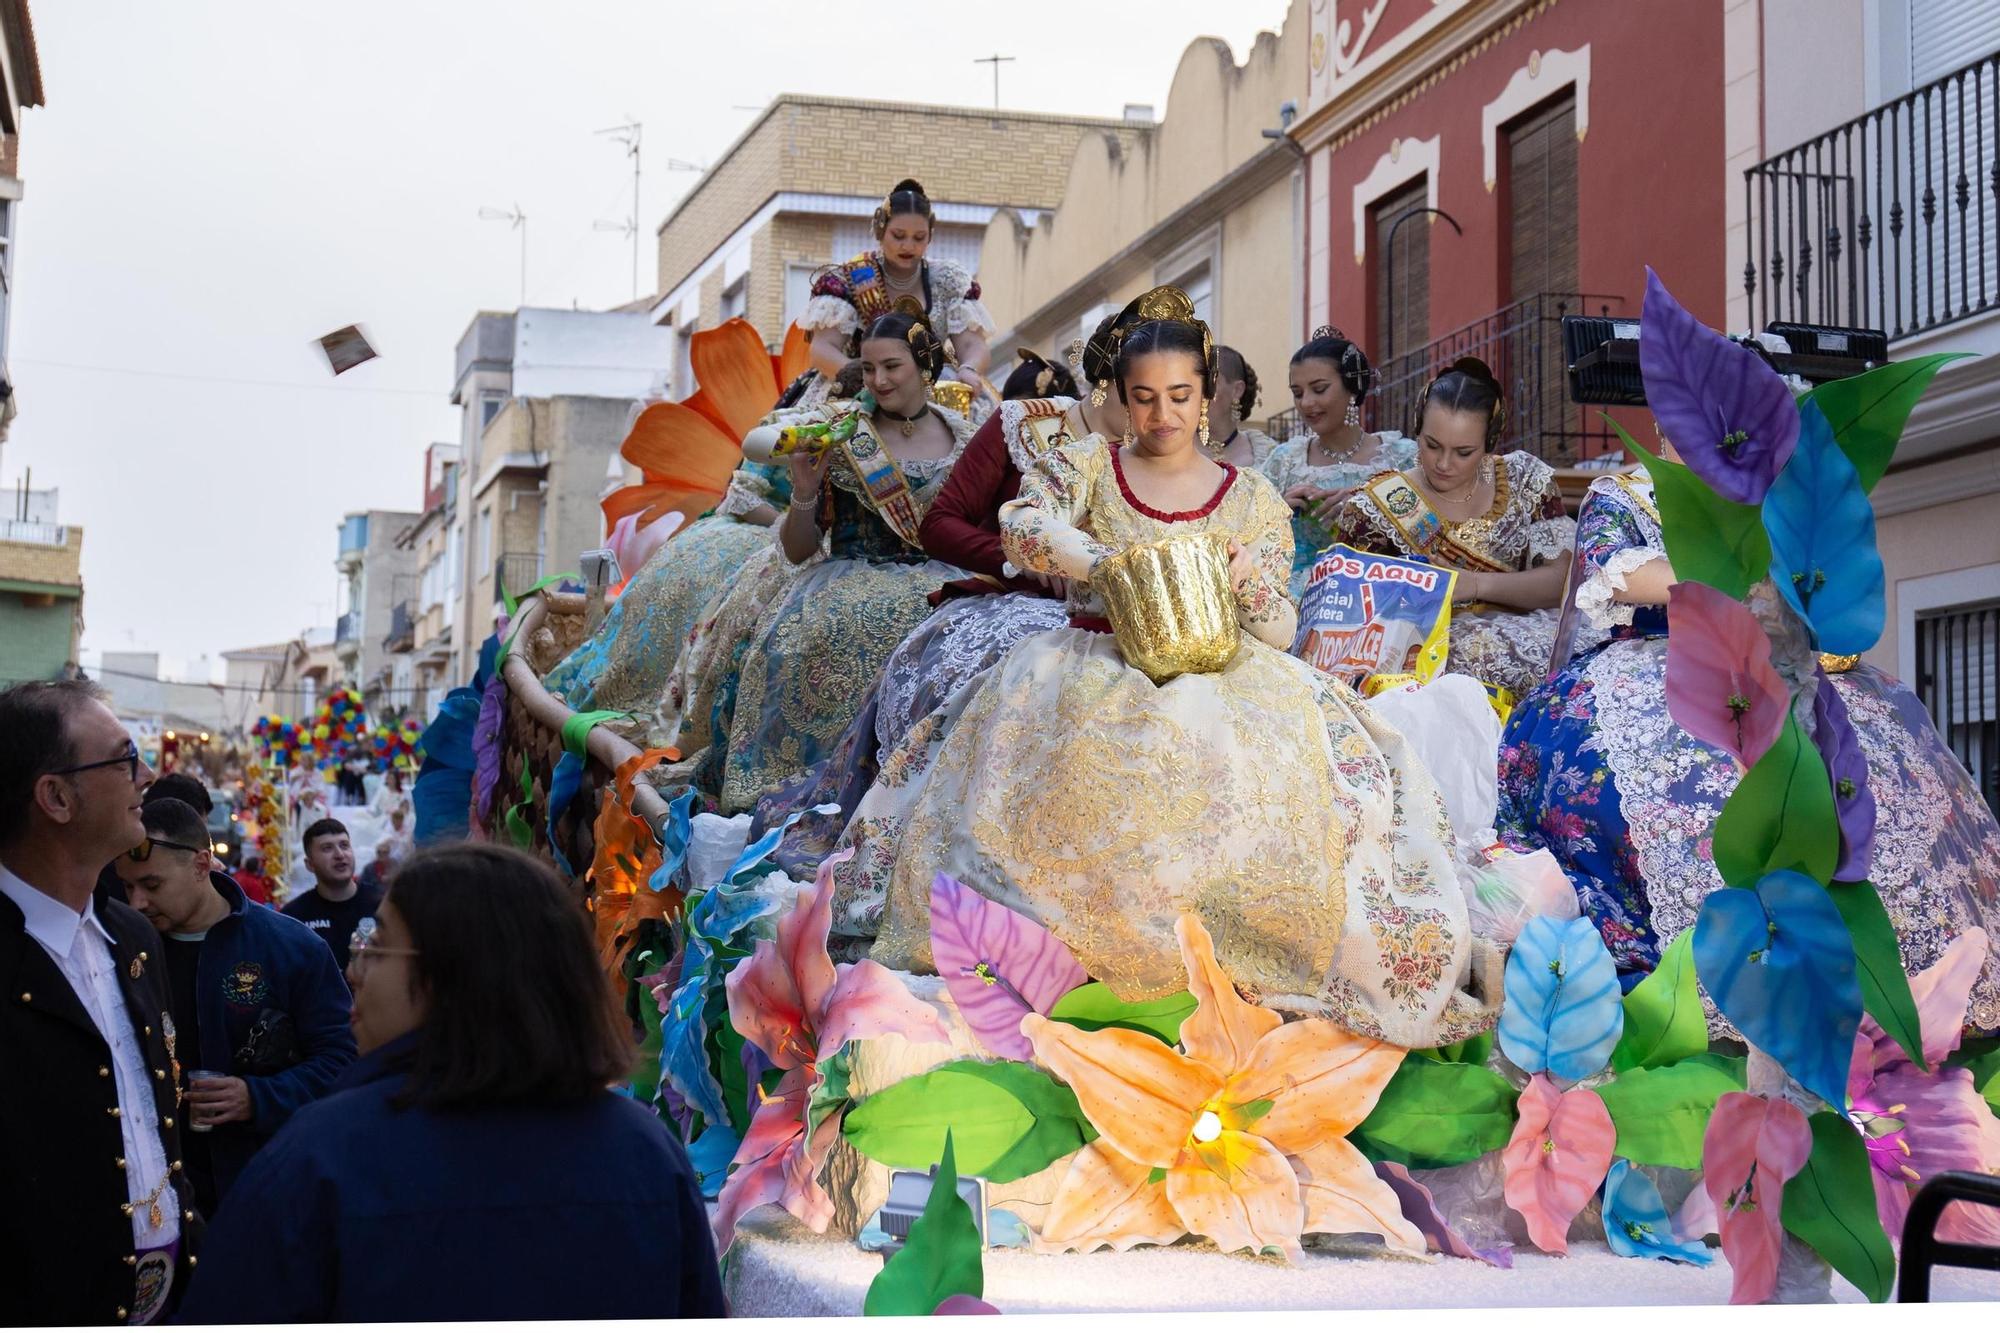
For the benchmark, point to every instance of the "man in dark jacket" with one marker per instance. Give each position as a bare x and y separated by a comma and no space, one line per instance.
257,998
99,1226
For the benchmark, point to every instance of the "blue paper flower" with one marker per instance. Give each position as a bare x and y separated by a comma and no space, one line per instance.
1822,531
1636,1224
1564,1012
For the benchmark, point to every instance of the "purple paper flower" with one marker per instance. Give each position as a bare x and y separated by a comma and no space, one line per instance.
1727,412
486,747
1847,766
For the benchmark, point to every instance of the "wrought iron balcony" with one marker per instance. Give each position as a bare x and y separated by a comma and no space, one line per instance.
1887,222
402,635
1522,344
348,628
516,572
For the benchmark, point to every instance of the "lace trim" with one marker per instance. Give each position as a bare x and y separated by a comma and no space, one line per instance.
1550,539
1595,595
1016,411
829,312
746,492
1161,515
967,314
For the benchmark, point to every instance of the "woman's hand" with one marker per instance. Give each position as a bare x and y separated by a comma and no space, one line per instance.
1300,496
1326,505
1243,571
808,474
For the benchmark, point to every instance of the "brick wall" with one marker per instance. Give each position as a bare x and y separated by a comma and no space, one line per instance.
30,562
792,238
836,146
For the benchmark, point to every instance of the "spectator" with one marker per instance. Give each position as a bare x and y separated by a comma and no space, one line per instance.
336,904
86,1036
256,997
250,878
392,795
400,834
182,787
473,1164
375,879
353,782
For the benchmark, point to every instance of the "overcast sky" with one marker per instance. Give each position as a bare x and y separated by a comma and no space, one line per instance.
215,183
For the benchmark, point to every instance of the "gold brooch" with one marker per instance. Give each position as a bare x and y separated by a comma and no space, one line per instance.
138,967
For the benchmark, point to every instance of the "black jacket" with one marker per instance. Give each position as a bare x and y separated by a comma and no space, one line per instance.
66,1254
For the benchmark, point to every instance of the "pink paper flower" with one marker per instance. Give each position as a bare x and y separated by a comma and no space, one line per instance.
1752,1147
790,1000
1916,1123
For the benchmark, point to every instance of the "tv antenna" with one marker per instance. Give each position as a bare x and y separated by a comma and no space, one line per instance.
629,135
488,213
996,60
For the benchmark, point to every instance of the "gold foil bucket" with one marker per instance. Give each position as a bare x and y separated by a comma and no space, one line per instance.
1170,605
953,394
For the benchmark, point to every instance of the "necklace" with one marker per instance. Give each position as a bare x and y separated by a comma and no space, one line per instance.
906,424
1466,493
1220,449
151,1203
1336,459
910,284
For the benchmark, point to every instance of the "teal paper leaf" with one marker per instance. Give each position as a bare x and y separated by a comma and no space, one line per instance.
1868,411
1563,1013
1822,529
1885,987
1779,963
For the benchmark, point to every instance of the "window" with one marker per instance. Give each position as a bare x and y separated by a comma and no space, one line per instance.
1200,289
485,540
798,290
736,298
1950,34
490,403
1402,268
452,542
1540,208
1958,655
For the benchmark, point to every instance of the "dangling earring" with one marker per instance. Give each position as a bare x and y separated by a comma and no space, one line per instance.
1097,394
1131,436
1486,470
1202,428
1353,417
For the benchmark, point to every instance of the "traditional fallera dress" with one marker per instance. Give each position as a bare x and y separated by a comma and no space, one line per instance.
848,297
1287,467
625,664
1525,526
976,621
1263,797
816,652
1594,768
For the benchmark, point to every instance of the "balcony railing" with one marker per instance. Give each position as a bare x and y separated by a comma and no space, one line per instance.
33,534
348,628
402,635
516,572
1887,222
1522,345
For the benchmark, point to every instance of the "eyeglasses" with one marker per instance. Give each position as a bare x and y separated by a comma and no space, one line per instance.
144,850
130,759
362,949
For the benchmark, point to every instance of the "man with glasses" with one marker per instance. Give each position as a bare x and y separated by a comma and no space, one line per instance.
101,1225
259,1005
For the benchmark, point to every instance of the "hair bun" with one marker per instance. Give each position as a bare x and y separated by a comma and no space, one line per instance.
907,186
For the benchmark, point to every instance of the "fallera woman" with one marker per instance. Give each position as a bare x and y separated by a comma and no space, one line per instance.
1317,469
1262,796
1231,439
1498,521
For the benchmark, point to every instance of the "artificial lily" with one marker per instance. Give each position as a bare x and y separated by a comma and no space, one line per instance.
1239,1136
1917,1124
790,1001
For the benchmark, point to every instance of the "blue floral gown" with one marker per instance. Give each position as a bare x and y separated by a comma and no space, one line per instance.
1594,768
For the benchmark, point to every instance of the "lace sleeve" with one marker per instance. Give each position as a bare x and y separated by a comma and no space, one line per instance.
1611,542
1039,528
829,312
959,308
755,484
1595,596
1550,539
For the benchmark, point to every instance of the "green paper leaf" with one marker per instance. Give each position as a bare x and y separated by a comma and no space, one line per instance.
1868,411
730,1074
1780,817
1830,1205
941,1259
1709,539
1661,1114
831,1092
1981,1055
1471,1051
1990,1090
576,728
1433,1114
1009,1119
1878,964
1663,1017
1093,1005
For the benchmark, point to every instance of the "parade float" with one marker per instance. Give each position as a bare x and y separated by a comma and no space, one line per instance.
1756,1121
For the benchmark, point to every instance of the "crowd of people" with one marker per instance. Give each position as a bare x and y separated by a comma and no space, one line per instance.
892,639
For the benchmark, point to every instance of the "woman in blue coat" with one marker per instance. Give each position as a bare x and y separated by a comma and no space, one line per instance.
473,1164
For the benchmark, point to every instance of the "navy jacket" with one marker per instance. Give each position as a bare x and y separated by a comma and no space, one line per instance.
359,1212
256,961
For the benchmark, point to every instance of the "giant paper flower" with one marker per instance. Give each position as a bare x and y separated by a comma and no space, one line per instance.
1240,1136
1917,1124
790,1000
688,449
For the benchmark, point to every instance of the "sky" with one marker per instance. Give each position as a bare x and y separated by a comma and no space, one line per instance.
214,184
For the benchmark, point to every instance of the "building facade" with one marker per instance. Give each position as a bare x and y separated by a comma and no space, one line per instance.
1207,199
21,72
797,190
1867,194
420,637
1477,169
41,589
379,576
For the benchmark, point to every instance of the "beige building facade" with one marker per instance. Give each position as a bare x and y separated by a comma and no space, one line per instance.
798,188
1205,199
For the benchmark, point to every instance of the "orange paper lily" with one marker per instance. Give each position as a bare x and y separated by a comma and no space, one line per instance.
1240,1136
627,854
688,449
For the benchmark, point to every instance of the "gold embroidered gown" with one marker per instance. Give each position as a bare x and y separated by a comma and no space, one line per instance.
1264,797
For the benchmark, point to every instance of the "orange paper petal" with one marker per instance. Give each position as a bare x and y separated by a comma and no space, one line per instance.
1107,1198
1239,1192
1343,1195
1143,1096
1224,1027
794,358
1321,1079
733,371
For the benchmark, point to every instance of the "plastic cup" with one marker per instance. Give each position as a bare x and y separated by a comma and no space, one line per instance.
195,1122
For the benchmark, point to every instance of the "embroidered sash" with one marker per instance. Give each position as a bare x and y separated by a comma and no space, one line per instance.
884,488
1424,531
1635,486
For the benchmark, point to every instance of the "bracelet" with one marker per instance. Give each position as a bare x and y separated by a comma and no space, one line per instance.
809,502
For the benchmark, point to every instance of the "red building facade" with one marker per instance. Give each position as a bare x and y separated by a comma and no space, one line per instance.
1475,169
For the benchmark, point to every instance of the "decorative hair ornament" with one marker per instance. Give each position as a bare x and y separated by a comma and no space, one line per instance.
915,201
1172,305
1099,392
